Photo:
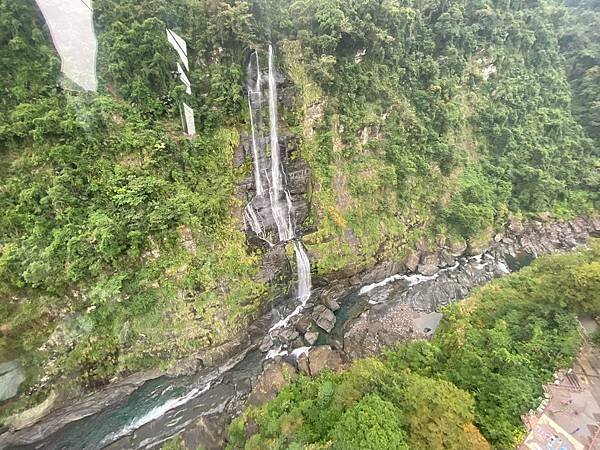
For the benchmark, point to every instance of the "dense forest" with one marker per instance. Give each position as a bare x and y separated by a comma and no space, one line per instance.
121,239
484,367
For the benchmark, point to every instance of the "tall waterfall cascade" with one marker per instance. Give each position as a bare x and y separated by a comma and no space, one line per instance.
276,192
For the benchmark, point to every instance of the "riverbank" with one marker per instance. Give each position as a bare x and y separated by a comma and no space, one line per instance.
351,317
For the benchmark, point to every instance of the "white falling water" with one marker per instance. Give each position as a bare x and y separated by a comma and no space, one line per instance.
252,220
273,122
303,265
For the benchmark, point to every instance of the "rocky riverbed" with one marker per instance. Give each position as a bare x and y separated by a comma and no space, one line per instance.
345,319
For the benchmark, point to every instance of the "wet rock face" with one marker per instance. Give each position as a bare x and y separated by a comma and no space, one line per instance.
275,265
209,432
297,176
258,221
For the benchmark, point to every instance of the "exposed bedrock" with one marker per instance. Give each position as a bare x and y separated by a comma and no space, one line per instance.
400,312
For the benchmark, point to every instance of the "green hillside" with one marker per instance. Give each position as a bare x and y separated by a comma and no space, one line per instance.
121,242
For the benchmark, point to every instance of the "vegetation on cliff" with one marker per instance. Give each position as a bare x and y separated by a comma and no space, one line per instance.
120,240
484,368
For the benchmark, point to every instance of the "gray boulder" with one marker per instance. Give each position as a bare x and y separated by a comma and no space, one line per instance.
428,269
458,248
330,303
430,260
311,337
270,381
324,317
411,260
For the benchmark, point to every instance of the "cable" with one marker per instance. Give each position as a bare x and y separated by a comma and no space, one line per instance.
87,6
177,43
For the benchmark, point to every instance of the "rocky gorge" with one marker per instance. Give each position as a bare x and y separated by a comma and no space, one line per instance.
256,191
345,319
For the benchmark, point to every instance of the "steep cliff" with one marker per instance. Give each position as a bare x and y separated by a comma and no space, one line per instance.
405,127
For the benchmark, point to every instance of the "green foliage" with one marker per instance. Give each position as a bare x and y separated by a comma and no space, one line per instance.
371,424
446,115
136,60
472,208
175,443
28,63
120,242
580,44
485,366
139,62
368,406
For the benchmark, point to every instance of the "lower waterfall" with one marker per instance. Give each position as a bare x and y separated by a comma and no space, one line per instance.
303,268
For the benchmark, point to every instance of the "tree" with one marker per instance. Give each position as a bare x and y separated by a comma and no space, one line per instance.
371,424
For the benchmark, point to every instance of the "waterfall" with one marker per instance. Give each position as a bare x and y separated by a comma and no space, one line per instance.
303,267
280,200
250,218
273,122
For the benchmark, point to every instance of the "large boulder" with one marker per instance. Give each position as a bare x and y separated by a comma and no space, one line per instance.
516,226
446,258
431,259
311,337
303,366
458,248
323,357
303,323
324,317
330,303
270,381
411,260
428,269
